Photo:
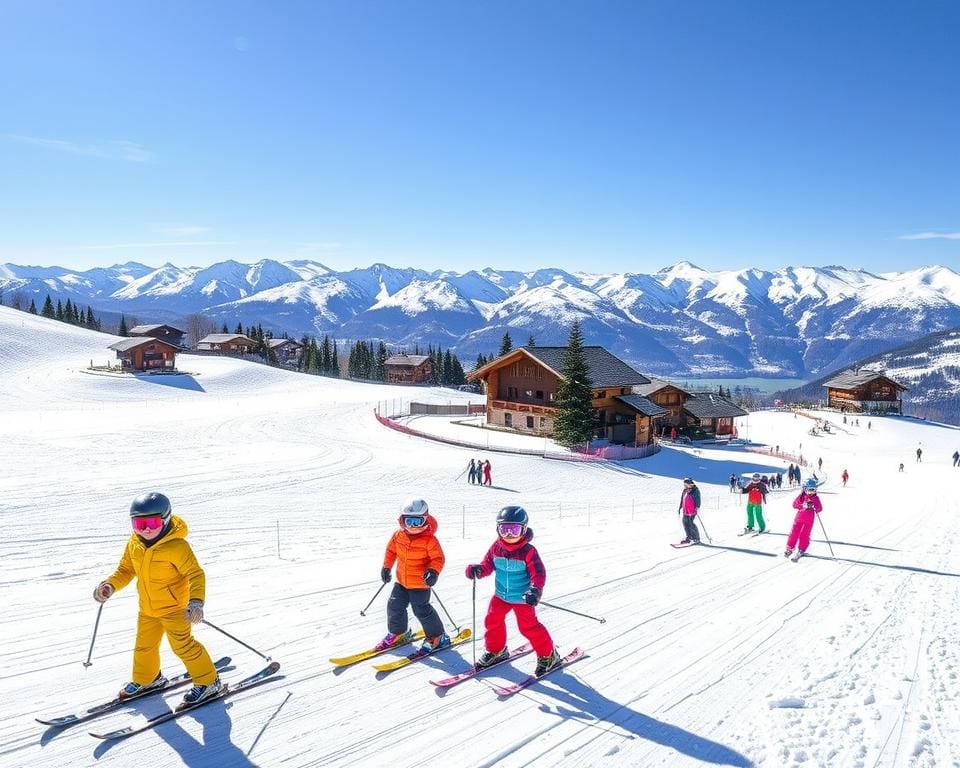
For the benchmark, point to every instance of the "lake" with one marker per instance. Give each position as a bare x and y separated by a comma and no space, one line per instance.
766,386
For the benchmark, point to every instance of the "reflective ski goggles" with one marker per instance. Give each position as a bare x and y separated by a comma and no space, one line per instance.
810,490
147,523
510,529
414,521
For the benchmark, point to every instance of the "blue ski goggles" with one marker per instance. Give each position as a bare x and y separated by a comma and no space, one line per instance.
414,521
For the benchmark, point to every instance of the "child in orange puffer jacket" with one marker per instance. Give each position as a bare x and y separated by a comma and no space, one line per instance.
419,558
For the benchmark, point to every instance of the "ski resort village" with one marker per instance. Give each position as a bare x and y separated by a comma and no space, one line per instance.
225,563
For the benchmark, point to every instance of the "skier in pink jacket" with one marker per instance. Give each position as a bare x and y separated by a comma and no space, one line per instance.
808,505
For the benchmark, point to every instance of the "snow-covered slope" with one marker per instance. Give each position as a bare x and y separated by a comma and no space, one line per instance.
720,655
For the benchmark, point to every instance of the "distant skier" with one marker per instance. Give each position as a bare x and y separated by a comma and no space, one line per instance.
415,549
733,482
471,472
689,507
520,577
901,466
919,455
956,458
820,464
845,476
673,433
790,475
486,473
756,497
172,588
808,506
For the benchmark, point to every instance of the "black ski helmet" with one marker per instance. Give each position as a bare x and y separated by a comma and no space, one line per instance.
512,515
150,504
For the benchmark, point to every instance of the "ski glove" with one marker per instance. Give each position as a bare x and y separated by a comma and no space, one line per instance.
103,591
195,611
474,571
430,577
531,596
385,575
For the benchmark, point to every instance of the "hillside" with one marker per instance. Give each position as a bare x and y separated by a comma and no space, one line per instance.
929,366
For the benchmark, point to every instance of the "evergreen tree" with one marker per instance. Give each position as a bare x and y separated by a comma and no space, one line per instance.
224,329
77,317
574,420
380,369
531,342
122,328
47,310
447,368
326,357
457,376
334,360
481,361
59,314
33,308
506,345
313,358
68,312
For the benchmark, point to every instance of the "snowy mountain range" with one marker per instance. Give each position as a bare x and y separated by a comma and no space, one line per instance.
680,321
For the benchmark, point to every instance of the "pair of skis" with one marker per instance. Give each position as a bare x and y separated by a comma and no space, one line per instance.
449,682
225,692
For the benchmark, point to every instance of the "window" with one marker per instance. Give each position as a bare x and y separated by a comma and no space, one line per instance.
624,391
508,419
539,394
544,423
529,422
553,396
601,394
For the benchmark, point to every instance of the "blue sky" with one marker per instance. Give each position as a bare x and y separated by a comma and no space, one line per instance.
584,135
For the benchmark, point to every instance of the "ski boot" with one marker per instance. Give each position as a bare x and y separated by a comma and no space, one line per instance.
132,689
201,692
432,644
788,552
546,663
490,658
391,639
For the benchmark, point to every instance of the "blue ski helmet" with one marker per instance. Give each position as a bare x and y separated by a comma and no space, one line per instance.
512,515
151,504
810,483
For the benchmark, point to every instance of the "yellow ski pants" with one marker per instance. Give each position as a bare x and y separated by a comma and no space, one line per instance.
176,626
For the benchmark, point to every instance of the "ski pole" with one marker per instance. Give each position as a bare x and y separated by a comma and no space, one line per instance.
364,611
704,527
237,639
561,608
826,537
474,630
460,475
96,625
455,625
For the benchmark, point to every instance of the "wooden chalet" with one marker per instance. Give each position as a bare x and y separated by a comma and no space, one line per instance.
286,350
409,369
521,389
865,391
710,414
145,353
227,343
669,397
162,331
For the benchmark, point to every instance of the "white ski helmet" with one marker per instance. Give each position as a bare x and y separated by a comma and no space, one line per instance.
415,507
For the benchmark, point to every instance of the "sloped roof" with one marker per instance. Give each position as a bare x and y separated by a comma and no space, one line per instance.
854,379
604,369
641,405
656,385
148,328
223,338
274,343
405,360
706,405
125,345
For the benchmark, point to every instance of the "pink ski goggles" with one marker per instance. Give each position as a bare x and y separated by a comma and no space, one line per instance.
510,529
147,523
